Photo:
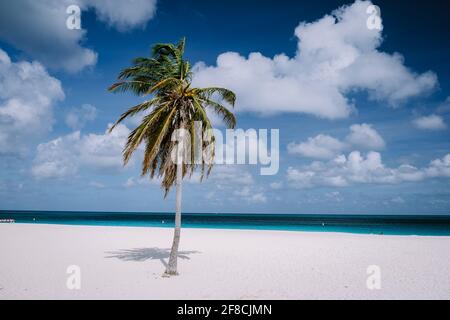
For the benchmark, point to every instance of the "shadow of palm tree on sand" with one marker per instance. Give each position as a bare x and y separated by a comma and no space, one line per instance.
143,254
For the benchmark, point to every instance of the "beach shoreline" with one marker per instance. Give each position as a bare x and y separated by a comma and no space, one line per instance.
128,263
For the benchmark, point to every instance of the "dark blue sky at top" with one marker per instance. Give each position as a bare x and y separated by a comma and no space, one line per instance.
416,29
419,30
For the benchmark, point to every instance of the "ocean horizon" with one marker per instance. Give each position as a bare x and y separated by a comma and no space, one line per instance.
423,225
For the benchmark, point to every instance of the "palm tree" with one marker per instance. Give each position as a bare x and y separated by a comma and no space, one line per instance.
173,104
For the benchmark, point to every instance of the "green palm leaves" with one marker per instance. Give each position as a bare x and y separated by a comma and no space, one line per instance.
166,77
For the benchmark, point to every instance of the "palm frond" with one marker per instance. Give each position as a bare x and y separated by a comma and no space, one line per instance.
137,87
225,94
153,145
227,116
135,110
137,135
165,83
174,105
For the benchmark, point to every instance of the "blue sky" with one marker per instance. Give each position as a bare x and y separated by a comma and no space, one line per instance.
363,114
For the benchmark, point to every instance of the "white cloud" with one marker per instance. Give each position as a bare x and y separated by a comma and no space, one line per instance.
57,159
336,54
431,122
123,15
39,28
250,195
319,147
27,96
223,175
439,167
364,135
386,78
78,117
235,181
104,151
263,87
326,147
356,168
64,156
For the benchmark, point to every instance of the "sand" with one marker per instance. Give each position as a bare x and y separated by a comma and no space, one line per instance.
128,263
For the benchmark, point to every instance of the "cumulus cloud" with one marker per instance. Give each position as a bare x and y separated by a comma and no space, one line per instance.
431,122
263,87
237,182
64,156
319,147
356,168
77,118
324,146
123,15
225,175
27,96
38,28
364,135
250,195
57,159
233,180
439,167
336,54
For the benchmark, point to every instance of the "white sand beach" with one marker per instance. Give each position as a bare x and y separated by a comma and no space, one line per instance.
127,263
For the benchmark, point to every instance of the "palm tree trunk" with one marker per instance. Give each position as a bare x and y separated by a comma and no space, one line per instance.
172,266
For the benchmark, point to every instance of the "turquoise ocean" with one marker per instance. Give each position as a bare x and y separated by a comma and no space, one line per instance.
426,225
